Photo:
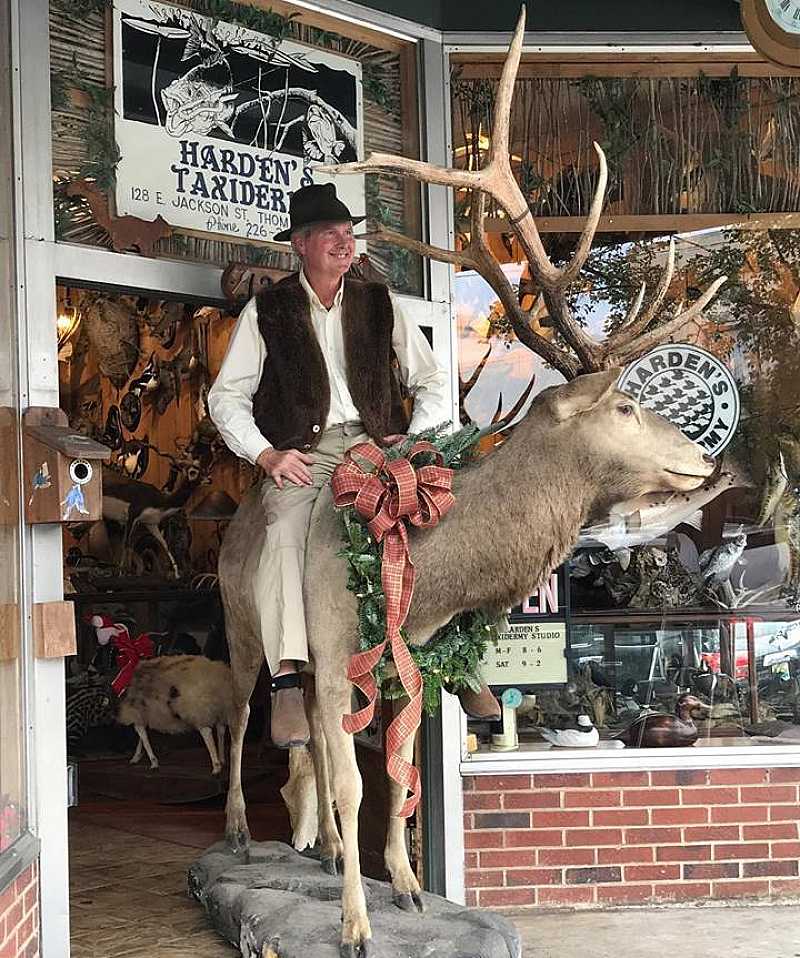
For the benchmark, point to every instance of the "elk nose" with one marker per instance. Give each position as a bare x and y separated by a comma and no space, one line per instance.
709,460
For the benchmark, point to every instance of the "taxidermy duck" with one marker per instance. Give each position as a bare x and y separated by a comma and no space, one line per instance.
583,734
657,730
148,380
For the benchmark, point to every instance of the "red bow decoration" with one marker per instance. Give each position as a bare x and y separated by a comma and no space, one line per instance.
129,653
395,493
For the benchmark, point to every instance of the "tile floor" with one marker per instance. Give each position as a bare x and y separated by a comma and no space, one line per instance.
128,897
129,862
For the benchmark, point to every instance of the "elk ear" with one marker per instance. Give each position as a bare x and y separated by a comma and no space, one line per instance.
583,393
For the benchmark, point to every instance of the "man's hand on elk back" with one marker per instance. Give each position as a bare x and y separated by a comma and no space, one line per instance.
288,464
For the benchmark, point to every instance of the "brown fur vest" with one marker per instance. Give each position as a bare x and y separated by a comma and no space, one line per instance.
293,398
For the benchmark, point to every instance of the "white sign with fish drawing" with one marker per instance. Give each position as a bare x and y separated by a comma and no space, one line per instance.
217,124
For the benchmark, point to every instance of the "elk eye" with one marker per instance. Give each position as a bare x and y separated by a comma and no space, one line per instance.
626,410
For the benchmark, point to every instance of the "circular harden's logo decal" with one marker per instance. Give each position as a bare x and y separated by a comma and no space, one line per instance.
691,388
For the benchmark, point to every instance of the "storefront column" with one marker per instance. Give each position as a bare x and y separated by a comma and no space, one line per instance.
39,387
442,735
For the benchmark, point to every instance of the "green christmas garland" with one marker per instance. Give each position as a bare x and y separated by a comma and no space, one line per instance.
451,657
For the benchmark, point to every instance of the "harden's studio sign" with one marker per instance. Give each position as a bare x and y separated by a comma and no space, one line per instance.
691,388
218,125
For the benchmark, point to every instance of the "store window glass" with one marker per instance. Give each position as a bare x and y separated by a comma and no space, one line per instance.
12,726
681,594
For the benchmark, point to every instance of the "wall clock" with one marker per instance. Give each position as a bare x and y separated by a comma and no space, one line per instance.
773,27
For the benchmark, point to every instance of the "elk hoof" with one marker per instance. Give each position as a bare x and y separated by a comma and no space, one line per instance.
408,901
352,950
238,841
330,865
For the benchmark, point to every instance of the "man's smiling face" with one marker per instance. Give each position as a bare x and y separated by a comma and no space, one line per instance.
327,248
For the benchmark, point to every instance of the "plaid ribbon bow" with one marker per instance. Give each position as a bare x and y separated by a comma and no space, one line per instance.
129,653
393,494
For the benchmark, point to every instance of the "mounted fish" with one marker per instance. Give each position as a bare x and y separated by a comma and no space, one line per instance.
642,520
113,332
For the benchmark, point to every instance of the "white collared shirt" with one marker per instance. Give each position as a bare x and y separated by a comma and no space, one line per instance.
230,400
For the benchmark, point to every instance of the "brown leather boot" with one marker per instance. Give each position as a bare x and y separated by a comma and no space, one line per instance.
288,724
480,705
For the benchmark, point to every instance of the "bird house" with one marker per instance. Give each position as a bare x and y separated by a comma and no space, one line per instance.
62,476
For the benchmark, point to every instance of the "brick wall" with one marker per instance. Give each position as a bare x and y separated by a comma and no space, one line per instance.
613,838
19,916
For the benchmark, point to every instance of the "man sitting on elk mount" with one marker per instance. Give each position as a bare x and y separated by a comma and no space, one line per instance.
308,374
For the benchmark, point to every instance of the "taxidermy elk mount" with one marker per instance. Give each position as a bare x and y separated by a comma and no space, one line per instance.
581,448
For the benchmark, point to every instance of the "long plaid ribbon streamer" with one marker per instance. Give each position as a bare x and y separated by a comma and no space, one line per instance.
389,497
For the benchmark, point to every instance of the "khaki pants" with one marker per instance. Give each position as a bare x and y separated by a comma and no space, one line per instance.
279,579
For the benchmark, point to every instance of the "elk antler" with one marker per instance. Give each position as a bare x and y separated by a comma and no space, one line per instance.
634,336
501,420
478,256
496,180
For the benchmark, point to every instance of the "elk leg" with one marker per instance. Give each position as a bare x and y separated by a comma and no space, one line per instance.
405,887
141,731
237,834
137,754
300,797
334,701
244,674
331,849
207,734
221,727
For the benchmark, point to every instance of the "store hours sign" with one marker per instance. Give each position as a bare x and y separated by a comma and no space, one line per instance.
218,125
532,651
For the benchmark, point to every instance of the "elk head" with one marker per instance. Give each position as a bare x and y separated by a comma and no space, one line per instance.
628,451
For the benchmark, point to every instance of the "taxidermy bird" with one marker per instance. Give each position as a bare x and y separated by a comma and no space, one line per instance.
717,564
657,730
135,457
148,380
581,734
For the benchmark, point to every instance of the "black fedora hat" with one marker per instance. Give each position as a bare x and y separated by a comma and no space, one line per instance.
317,203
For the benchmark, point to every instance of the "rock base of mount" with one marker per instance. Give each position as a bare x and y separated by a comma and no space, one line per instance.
272,901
